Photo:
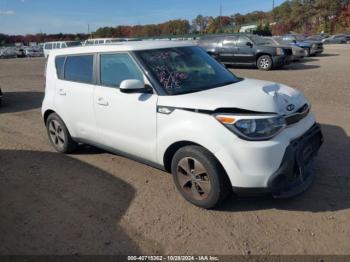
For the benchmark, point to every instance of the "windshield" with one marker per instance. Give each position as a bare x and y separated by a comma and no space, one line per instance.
185,69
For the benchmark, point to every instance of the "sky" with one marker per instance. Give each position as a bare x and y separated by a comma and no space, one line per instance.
73,16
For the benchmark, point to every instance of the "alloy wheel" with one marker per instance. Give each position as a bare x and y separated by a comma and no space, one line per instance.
264,63
56,134
193,178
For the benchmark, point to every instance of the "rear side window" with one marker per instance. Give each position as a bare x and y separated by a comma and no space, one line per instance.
48,46
79,68
115,68
59,62
242,41
229,41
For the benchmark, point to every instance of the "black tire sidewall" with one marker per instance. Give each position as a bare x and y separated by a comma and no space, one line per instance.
270,61
214,170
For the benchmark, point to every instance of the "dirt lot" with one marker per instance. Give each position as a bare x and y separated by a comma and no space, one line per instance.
94,202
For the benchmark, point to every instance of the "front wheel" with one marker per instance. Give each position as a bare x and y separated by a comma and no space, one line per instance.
199,177
264,62
59,135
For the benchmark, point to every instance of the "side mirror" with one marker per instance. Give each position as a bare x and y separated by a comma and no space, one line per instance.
250,44
134,86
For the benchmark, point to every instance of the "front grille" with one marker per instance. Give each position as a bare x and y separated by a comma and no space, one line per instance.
298,115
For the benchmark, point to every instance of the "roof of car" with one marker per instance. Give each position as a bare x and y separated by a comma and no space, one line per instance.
121,46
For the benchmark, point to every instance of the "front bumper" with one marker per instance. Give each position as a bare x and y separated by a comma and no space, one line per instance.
281,60
316,50
295,174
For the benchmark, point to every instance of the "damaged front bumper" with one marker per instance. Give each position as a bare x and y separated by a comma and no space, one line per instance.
295,174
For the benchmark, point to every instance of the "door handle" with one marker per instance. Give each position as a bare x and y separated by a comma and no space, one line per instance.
62,92
101,101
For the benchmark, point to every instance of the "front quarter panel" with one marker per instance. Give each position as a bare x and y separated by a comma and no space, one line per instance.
182,125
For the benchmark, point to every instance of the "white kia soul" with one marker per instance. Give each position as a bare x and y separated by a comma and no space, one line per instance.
171,105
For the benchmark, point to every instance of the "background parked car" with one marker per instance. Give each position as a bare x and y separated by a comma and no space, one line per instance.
8,52
337,39
57,45
20,52
245,49
298,52
310,47
33,52
317,38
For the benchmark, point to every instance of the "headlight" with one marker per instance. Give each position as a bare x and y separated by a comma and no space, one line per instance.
254,129
279,51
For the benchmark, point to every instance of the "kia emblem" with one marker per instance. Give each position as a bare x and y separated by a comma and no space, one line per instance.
290,107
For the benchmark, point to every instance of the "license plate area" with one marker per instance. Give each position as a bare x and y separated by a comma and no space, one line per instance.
307,147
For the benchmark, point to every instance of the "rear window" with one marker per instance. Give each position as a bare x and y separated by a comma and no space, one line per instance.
79,68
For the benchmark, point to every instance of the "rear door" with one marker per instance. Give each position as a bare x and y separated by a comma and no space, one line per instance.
228,49
74,94
245,54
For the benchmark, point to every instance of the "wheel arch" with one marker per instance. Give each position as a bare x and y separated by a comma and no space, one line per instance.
47,113
173,148
258,55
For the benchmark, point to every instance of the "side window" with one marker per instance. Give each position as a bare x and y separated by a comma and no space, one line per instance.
79,68
242,41
229,41
48,46
115,68
59,66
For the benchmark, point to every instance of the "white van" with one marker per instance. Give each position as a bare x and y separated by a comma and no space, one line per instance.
47,47
171,105
103,41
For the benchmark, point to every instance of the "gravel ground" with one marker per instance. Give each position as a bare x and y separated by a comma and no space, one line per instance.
93,202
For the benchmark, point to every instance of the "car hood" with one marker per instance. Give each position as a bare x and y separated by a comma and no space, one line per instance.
248,94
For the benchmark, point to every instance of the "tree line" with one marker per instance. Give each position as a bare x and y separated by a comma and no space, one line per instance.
300,16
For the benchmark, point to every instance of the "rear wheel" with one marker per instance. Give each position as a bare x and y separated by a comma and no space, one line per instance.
199,177
59,135
264,62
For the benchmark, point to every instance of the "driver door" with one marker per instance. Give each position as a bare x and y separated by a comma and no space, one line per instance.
126,122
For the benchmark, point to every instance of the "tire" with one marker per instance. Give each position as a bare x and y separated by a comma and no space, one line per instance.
307,52
264,62
59,135
208,186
